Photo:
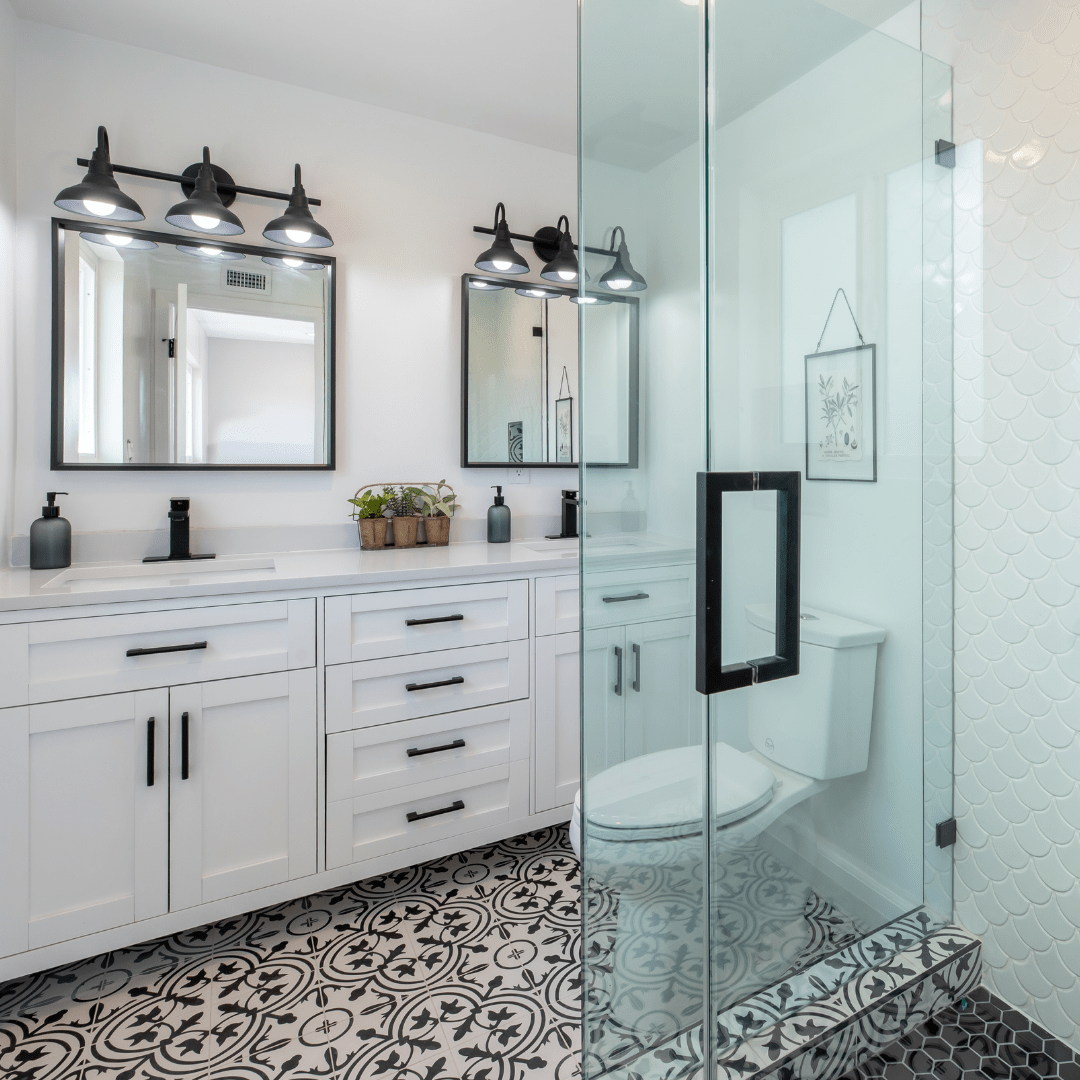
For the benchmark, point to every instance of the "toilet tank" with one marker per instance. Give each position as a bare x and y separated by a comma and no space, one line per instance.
817,722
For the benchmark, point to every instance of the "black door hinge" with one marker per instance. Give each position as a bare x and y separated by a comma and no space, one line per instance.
945,153
945,833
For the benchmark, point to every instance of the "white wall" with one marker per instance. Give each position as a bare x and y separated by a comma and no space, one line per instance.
1017,496
8,32
400,196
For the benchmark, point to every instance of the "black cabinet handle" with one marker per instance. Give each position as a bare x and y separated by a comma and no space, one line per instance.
412,815
714,676
636,684
623,599
618,670
185,769
457,744
429,685
167,648
150,752
440,618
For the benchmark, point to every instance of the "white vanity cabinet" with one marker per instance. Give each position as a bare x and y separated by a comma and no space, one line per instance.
557,749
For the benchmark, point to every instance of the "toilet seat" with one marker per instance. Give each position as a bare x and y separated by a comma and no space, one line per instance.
657,796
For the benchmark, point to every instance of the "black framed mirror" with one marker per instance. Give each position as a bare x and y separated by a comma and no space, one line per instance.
520,375
173,352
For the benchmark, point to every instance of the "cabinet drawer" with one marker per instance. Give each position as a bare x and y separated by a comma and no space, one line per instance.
14,657
108,653
557,607
372,825
617,597
377,691
399,756
375,625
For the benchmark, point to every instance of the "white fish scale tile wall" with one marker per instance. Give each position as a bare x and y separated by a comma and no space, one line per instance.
1017,496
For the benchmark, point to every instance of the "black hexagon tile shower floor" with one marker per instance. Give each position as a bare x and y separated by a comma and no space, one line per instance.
979,1037
465,968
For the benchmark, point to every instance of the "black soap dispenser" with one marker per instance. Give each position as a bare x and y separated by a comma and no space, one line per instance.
50,537
498,519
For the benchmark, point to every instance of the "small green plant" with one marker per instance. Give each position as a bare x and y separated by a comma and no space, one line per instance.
442,502
402,501
371,504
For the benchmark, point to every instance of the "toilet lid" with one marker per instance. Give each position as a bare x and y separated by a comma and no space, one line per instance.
662,791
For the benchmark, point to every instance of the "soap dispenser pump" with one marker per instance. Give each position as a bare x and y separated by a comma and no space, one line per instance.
50,537
498,519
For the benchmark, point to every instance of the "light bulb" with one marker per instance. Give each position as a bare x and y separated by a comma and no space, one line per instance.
501,264
298,236
213,252
568,275
292,261
619,283
118,239
204,222
99,209
585,299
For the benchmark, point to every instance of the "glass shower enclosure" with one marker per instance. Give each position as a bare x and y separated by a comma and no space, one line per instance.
766,614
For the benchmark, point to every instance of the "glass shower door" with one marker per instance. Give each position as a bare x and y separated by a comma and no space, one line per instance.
765,655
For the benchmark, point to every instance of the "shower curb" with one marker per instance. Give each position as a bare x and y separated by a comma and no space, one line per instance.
824,1040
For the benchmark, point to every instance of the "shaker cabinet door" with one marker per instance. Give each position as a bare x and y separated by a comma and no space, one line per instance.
243,812
85,815
557,731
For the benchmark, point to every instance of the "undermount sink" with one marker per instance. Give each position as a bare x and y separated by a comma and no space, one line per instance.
126,575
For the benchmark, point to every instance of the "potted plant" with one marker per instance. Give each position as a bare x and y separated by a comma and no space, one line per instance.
437,508
402,507
368,511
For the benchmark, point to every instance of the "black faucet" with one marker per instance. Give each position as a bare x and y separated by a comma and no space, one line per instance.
569,517
179,534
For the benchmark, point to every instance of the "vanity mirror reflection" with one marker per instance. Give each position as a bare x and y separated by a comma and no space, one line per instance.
174,352
519,375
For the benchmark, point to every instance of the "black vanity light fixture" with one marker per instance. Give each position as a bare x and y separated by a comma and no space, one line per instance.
590,299
296,227
622,277
482,285
293,262
209,251
564,267
538,292
561,259
99,195
209,191
501,257
203,210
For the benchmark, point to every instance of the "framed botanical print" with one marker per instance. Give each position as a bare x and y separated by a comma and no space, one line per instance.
841,414
564,429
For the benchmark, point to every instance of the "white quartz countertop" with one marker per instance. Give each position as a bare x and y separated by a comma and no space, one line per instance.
103,583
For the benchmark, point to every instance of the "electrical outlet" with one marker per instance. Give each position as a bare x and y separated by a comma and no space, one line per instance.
517,476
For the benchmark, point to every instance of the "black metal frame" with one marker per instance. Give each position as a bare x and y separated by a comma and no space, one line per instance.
872,479
713,676
57,463
632,376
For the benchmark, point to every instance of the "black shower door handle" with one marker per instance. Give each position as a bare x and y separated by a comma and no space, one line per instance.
712,675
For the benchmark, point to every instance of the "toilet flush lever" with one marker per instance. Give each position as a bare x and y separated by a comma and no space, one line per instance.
714,676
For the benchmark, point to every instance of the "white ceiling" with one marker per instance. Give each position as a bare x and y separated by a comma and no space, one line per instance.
506,67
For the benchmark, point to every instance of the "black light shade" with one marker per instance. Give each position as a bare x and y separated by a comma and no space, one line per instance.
537,292
502,257
99,195
296,227
120,241
204,212
209,251
622,277
564,267
293,262
590,300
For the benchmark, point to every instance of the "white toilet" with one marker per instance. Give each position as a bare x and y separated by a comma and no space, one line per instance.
804,731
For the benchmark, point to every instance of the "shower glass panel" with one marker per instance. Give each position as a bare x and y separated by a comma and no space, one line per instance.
766,599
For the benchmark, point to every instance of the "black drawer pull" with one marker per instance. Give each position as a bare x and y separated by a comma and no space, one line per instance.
150,752
167,648
622,599
185,740
412,815
457,744
440,618
429,685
